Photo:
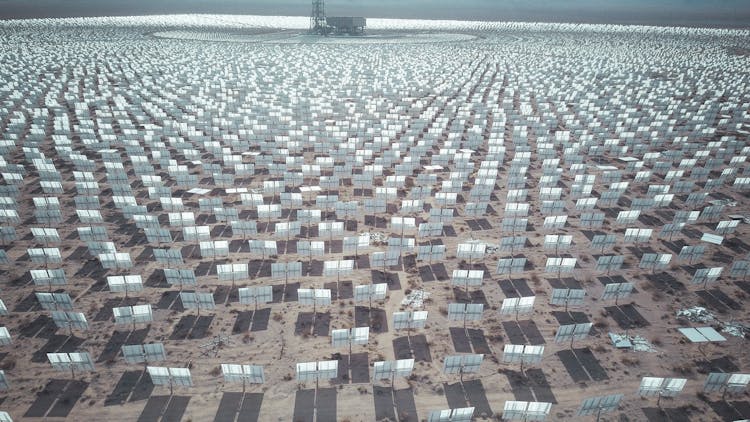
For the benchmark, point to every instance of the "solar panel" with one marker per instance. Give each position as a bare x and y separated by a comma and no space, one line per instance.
208,204
420,192
44,255
511,243
524,354
617,291
514,224
263,247
310,248
662,387
711,212
701,334
291,200
609,263
655,261
402,224
347,337
706,275
572,332
467,277
330,229
133,314
726,227
10,217
585,204
691,252
144,221
97,248
389,258
445,198
716,381
314,296
7,234
557,242
475,209
115,260
181,219
125,283
431,229
256,295
712,238
245,228
740,269
516,209
390,369
465,311
71,320
737,383
442,215
182,277
462,364
375,206
197,300
356,243
137,353
471,250
337,268
696,199
567,297
408,320
549,193
526,411
232,272
517,305
79,361
560,265
367,292
313,371
45,235
285,270
159,375
158,235
326,201
430,252
251,199
170,376
252,374
401,244
225,214
4,336
214,249
54,301
600,405
592,220
637,235
510,265
461,414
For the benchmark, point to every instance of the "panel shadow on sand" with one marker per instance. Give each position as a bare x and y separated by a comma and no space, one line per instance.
412,347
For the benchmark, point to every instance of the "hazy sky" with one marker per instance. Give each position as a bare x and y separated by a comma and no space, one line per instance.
664,12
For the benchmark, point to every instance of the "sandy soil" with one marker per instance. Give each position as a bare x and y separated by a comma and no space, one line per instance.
279,345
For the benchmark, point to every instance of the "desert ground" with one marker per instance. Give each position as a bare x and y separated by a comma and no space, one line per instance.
475,135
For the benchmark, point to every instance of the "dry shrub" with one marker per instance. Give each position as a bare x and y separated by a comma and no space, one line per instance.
683,369
630,361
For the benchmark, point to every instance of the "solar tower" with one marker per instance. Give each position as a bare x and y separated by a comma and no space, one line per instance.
318,17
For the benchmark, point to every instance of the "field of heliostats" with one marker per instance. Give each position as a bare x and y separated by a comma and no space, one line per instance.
225,218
